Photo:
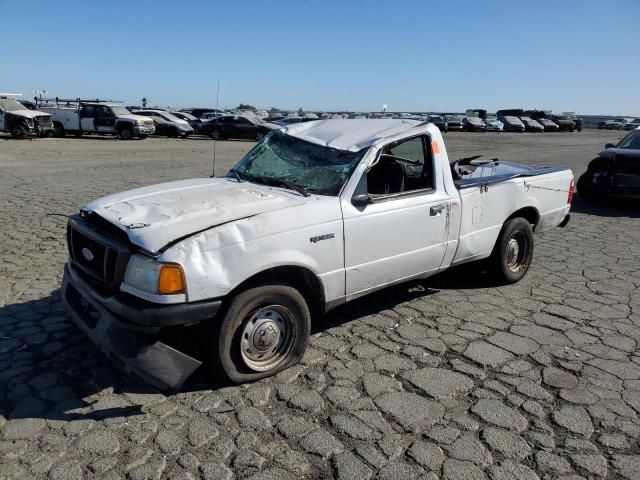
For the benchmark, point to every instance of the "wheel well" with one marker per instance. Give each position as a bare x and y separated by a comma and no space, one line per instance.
303,279
530,214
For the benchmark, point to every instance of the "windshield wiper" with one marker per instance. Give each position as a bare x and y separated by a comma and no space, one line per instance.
236,174
283,183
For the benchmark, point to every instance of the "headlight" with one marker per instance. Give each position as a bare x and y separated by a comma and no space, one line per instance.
146,274
139,122
29,122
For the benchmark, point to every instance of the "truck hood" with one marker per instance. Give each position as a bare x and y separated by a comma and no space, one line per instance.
133,117
158,216
28,113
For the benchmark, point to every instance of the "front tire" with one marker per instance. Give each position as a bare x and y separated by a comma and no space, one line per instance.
125,133
18,131
263,331
513,252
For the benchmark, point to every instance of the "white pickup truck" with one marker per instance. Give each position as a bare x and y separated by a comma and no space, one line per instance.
78,117
232,271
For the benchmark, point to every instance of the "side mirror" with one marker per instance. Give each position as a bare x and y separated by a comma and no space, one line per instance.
610,145
361,200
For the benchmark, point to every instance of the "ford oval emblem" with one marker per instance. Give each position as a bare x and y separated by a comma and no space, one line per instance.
88,254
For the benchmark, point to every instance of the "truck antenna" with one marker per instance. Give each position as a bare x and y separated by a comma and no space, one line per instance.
215,137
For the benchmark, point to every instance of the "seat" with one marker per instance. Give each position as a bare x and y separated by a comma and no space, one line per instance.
385,178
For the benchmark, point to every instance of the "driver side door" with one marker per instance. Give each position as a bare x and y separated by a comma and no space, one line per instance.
402,232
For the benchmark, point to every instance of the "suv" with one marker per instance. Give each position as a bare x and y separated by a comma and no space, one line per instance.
20,121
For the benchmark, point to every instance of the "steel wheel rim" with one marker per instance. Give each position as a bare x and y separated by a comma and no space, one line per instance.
517,251
267,337
126,134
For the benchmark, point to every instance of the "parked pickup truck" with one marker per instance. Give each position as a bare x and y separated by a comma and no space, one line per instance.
19,121
315,215
103,117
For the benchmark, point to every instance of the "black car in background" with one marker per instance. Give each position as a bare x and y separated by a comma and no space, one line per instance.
194,122
454,122
615,172
440,122
197,112
564,122
166,123
236,126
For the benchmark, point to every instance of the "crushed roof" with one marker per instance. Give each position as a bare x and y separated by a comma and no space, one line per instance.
350,134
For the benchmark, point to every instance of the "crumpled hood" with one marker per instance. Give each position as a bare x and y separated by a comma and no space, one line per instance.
28,113
475,121
156,216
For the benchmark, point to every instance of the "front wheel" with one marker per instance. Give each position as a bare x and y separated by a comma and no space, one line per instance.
263,331
142,137
18,131
125,133
513,252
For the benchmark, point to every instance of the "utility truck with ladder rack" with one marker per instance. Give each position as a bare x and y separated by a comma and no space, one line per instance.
78,116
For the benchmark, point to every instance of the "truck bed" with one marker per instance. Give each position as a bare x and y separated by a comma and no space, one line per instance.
499,171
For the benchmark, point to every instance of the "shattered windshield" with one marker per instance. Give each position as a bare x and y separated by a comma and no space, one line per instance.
317,169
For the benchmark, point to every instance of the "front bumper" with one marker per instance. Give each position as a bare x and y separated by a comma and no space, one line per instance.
144,130
128,335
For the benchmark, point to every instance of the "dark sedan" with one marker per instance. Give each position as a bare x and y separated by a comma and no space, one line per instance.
440,122
615,172
454,122
565,122
236,126
166,123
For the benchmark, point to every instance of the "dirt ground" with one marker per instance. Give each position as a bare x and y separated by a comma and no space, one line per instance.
449,378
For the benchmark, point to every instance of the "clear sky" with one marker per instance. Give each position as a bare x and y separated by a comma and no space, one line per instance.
568,55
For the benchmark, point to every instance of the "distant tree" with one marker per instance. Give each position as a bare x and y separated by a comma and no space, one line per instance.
300,112
244,106
144,103
274,110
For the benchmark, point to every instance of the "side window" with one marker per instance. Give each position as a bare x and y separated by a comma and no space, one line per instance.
88,110
402,167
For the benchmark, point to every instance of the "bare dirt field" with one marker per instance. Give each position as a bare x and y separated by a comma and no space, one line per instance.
451,377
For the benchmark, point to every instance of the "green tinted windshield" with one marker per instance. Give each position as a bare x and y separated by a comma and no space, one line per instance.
318,169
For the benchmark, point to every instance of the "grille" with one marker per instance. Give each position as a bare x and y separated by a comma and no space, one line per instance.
44,121
148,122
97,254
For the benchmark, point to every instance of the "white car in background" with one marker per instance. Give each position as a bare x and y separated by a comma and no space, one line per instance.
493,124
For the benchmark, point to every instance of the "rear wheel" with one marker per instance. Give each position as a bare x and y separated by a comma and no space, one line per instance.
263,331
215,135
58,130
18,131
513,252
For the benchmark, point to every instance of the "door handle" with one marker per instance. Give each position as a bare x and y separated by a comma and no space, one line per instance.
436,210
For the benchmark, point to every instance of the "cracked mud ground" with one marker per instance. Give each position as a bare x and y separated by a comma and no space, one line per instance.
451,377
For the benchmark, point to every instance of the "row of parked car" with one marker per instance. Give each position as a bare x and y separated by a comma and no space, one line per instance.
619,124
77,117
512,120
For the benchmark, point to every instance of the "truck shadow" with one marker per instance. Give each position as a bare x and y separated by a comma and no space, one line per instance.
50,370
629,208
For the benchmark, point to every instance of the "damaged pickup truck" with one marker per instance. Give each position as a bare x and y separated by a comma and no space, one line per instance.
315,215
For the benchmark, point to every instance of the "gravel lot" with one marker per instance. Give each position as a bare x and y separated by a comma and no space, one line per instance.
451,377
